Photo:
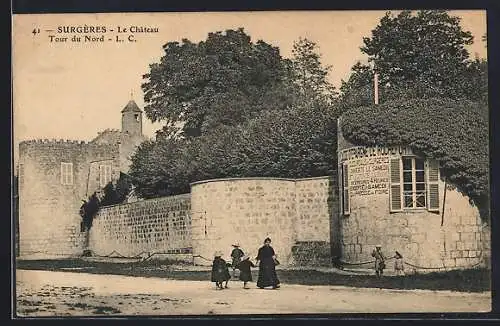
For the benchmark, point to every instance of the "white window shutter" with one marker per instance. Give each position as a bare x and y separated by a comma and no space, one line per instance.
341,187
346,204
395,193
432,185
101,176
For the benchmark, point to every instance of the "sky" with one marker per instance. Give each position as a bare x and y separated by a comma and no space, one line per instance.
72,90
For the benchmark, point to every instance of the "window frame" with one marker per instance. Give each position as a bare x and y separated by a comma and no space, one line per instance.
66,174
431,181
414,190
105,174
345,193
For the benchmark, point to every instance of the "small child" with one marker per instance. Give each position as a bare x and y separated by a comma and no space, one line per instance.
379,260
236,255
245,271
220,271
399,266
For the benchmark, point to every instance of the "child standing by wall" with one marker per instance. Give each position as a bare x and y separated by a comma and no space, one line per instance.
399,265
245,270
379,260
220,271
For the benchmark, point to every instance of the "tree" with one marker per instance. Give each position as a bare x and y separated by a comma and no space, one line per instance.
358,90
223,80
116,193
292,138
417,55
297,143
309,74
88,211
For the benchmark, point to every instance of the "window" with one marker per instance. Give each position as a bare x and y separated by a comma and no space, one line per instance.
414,184
136,116
414,194
66,173
104,175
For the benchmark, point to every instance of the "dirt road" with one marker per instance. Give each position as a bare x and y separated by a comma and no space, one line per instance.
46,293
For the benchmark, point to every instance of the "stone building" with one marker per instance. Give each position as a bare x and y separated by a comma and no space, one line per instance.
56,175
397,199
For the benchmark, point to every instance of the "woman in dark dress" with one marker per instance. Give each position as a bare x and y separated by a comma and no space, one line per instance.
266,259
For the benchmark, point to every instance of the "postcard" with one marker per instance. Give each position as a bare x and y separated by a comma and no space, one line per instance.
251,163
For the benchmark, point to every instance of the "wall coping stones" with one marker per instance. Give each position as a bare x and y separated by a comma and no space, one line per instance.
259,178
187,195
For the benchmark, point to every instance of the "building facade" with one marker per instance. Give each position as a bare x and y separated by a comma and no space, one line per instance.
55,176
397,199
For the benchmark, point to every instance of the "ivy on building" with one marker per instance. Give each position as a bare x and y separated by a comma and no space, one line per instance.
113,194
451,131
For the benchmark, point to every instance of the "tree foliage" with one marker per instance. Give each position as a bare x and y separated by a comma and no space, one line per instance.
89,210
116,193
159,168
223,80
268,116
417,55
309,75
112,194
455,132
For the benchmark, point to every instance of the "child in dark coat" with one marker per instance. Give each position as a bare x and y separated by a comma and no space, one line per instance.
220,271
245,270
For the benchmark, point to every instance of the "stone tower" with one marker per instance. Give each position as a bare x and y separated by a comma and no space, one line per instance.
132,119
131,134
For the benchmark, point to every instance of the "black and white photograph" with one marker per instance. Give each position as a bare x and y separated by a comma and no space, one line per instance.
250,163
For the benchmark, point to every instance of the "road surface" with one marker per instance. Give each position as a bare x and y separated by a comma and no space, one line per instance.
47,293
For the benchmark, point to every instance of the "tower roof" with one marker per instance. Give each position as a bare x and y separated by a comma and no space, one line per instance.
131,107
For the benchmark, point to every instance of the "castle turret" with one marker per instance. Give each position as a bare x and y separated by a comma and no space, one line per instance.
131,134
132,119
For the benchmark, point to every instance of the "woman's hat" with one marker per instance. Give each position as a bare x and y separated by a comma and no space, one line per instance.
245,257
378,246
236,244
218,254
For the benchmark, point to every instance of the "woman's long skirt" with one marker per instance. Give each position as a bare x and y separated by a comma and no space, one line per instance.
267,274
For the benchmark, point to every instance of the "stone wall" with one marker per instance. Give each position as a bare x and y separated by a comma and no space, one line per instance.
461,241
49,223
161,225
314,203
317,224
250,209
